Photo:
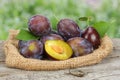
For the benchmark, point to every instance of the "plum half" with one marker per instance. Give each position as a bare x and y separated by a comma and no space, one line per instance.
80,46
51,36
58,49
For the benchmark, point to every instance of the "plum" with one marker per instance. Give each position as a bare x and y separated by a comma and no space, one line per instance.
58,49
31,49
80,46
92,36
51,37
68,28
39,25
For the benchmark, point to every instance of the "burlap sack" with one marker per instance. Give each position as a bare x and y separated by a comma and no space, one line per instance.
15,60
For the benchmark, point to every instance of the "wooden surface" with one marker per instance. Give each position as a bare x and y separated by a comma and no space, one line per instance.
108,69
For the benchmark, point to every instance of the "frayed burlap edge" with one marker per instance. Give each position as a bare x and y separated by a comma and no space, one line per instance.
15,60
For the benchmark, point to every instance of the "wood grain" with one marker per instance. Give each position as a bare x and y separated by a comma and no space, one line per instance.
108,69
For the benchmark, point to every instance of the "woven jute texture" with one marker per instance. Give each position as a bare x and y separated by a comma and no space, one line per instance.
15,60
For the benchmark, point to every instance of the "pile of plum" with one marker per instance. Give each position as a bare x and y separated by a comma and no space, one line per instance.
67,41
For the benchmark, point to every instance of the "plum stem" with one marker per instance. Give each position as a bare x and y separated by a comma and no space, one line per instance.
88,21
56,17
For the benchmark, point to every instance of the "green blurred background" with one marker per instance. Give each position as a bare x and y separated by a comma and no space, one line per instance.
14,14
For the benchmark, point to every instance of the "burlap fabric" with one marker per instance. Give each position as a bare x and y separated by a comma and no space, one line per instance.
15,60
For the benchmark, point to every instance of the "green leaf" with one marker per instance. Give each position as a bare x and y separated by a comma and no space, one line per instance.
102,27
85,18
26,35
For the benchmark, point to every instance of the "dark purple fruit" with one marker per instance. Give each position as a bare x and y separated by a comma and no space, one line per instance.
92,36
31,49
51,37
39,25
68,28
80,46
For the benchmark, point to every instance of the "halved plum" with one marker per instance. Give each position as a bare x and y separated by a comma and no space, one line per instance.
58,49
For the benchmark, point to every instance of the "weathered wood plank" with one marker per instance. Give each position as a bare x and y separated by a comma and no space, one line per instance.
108,69
2,56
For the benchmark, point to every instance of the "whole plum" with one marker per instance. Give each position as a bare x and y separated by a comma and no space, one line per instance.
80,46
92,36
51,36
39,25
68,28
31,49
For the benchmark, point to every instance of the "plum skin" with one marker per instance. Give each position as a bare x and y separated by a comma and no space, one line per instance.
51,36
39,25
31,49
67,28
80,46
92,36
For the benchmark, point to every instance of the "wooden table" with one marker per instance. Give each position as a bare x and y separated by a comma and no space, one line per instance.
108,69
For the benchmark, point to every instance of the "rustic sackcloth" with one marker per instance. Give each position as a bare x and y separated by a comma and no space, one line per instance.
15,60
